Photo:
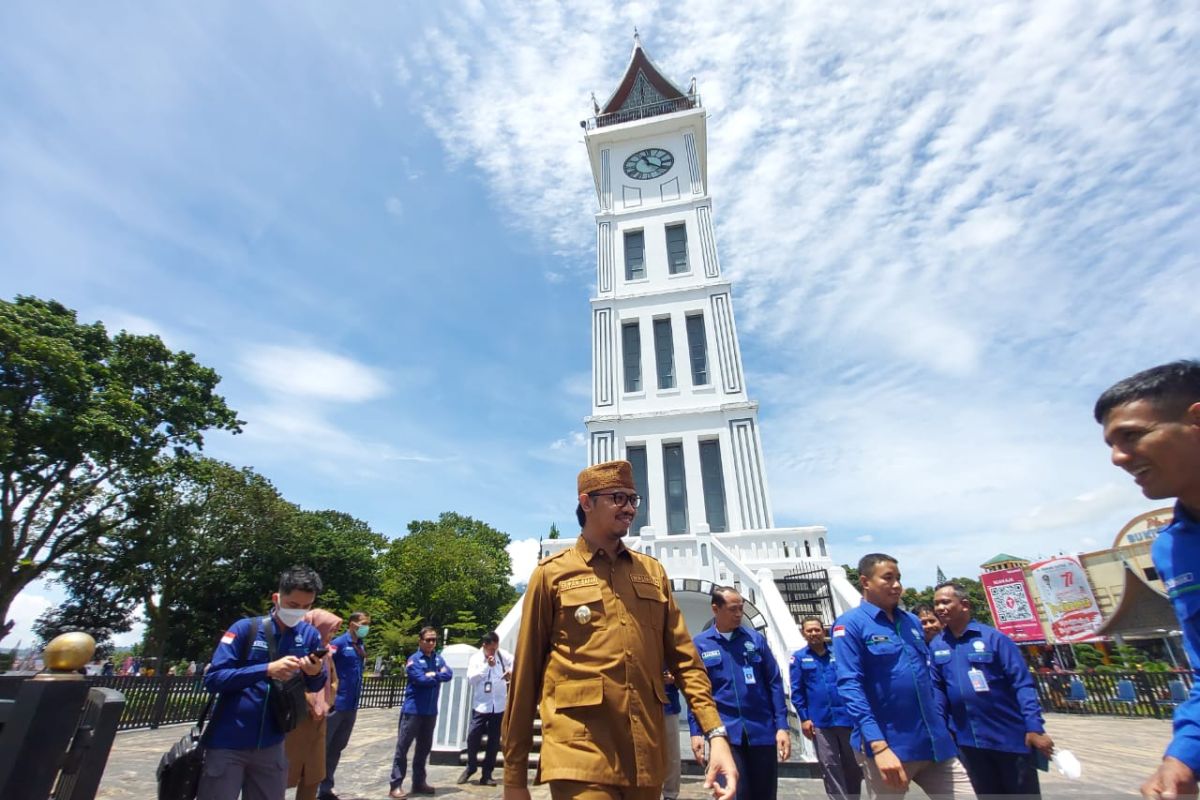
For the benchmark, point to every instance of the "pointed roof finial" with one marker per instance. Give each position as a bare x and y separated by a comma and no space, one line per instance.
692,88
637,40
595,105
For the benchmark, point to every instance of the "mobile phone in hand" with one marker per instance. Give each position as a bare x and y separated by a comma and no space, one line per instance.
320,653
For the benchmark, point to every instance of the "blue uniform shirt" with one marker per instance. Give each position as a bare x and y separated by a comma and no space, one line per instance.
883,677
672,706
241,721
1176,555
348,658
746,686
814,689
421,691
999,717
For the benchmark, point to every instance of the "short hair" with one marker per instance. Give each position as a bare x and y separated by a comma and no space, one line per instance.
491,637
718,594
923,608
427,629
299,579
358,616
579,515
960,591
1170,387
867,564
809,619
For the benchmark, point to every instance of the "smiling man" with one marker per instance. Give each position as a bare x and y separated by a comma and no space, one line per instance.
883,676
598,626
1152,426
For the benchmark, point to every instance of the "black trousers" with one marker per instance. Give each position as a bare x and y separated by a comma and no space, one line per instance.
481,724
758,771
994,772
418,727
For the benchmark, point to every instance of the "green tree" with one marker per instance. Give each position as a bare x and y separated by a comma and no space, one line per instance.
980,611
445,569
103,620
852,576
553,534
83,420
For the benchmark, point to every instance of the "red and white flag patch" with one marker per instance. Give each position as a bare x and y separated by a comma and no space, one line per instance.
228,637
839,630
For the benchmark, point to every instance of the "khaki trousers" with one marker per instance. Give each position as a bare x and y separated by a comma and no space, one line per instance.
939,779
578,790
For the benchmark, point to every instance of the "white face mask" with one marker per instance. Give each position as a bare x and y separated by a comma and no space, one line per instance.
290,617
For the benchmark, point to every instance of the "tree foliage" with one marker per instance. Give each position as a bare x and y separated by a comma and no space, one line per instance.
452,572
102,620
980,612
84,418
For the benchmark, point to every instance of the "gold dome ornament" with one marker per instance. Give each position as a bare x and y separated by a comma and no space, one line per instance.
583,615
69,652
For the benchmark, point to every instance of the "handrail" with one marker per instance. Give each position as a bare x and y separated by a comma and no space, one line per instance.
658,107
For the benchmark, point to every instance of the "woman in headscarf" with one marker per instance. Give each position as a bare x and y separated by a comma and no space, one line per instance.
305,746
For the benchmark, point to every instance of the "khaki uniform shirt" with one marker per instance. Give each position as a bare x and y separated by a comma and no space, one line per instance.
597,673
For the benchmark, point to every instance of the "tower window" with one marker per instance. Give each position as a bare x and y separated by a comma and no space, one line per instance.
821,545
697,349
664,353
676,488
635,255
631,350
641,482
713,480
677,249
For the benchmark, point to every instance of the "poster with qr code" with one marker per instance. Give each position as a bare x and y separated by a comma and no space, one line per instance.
1012,607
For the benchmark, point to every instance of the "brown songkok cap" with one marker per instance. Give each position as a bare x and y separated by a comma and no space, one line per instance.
609,475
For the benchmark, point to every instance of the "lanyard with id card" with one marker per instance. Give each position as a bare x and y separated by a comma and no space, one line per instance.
748,674
978,681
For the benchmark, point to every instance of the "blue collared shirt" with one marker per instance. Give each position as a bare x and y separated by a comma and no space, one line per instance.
1176,555
348,658
746,683
421,691
240,720
814,689
883,677
672,706
997,714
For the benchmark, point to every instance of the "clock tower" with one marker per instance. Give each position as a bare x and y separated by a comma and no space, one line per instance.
668,392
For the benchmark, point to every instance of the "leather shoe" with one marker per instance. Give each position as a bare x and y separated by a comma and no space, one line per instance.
466,776
424,788
486,782
398,794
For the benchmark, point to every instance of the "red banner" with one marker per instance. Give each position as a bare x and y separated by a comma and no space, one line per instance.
1012,607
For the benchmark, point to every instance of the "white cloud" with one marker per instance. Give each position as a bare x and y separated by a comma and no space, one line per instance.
864,539
525,554
394,206
309,373
24,611
949,229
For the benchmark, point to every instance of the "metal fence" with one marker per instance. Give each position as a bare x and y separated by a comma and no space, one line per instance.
166,700
1127,694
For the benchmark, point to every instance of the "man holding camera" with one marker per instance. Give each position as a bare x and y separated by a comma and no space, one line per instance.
244,743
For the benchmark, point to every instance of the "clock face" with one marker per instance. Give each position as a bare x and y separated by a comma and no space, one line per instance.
649,163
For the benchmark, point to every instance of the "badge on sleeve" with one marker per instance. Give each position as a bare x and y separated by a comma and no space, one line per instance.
228,637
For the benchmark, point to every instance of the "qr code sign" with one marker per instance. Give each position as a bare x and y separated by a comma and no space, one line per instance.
1011,603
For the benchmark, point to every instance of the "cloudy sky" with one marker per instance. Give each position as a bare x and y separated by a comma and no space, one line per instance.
948,231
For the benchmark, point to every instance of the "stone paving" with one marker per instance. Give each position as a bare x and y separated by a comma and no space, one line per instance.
1116,753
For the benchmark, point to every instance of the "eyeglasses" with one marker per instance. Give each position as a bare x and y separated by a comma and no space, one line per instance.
430,640
620,498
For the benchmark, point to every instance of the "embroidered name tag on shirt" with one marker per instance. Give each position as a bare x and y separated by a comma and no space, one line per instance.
710,656
636,578
1178,581
575,583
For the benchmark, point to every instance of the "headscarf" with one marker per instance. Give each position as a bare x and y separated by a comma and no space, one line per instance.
327,624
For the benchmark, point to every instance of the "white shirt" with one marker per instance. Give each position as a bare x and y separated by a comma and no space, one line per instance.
480,676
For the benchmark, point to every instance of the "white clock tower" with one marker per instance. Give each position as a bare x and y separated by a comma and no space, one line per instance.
668,390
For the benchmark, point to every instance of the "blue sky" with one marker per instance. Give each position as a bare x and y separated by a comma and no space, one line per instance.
948,230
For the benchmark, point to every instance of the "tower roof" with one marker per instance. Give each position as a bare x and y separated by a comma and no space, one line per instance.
1003,558
644,91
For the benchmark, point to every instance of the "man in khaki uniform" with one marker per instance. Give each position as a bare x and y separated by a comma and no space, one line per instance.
598,626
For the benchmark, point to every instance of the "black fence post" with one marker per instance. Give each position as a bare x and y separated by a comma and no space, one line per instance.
160,702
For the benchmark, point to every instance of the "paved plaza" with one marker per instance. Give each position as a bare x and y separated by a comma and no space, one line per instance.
1117,754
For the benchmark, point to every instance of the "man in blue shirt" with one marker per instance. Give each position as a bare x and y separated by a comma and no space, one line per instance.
748,690
883,677
823,715
427,671
671,711
348,660
1152,425
989,698
243,745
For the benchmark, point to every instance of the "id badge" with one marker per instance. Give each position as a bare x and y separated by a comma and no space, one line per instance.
978,681
487,687
748,672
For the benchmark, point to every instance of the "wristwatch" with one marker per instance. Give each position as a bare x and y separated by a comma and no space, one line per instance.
716,732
